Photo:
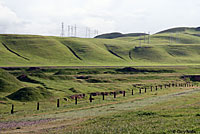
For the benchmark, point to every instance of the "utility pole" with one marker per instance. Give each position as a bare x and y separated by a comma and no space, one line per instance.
86,32
95,33
68,30
148,37
75,30
89,32
72,30
62,31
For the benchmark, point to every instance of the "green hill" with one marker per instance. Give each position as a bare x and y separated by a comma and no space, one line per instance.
177,46
30,94
8,83
117,35
181,30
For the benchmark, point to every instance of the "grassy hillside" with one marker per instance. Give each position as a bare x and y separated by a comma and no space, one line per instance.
8,83
30,94
179,46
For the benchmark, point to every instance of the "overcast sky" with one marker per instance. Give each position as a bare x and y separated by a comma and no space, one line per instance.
44,17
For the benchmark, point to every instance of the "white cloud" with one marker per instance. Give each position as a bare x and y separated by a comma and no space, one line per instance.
103,24
8,18
45,16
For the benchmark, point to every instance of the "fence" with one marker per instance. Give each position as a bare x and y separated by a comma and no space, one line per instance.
141,90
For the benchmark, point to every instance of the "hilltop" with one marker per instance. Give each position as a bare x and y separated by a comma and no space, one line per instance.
181,30
168,47
117,35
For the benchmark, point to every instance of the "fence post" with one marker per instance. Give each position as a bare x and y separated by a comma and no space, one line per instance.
156,88
38,106
124,93
76,100
151,88
145,89
114,94
140,90
103,95
132,92
12,109
58,103
90,98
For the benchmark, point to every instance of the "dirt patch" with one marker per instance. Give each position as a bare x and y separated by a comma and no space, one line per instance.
14,124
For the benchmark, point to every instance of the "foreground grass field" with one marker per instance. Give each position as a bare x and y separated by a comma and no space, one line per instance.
167,110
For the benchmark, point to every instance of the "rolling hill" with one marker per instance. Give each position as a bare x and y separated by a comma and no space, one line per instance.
117,35
177,46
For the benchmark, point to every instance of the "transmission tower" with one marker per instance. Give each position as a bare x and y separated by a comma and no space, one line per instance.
86,32
89,32
62,31
75,28
149,38
72,30
97,32
69,30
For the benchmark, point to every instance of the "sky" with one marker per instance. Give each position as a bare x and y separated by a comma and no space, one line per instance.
44,17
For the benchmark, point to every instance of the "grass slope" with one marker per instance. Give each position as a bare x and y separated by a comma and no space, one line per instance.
30,94
174,46
8,83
